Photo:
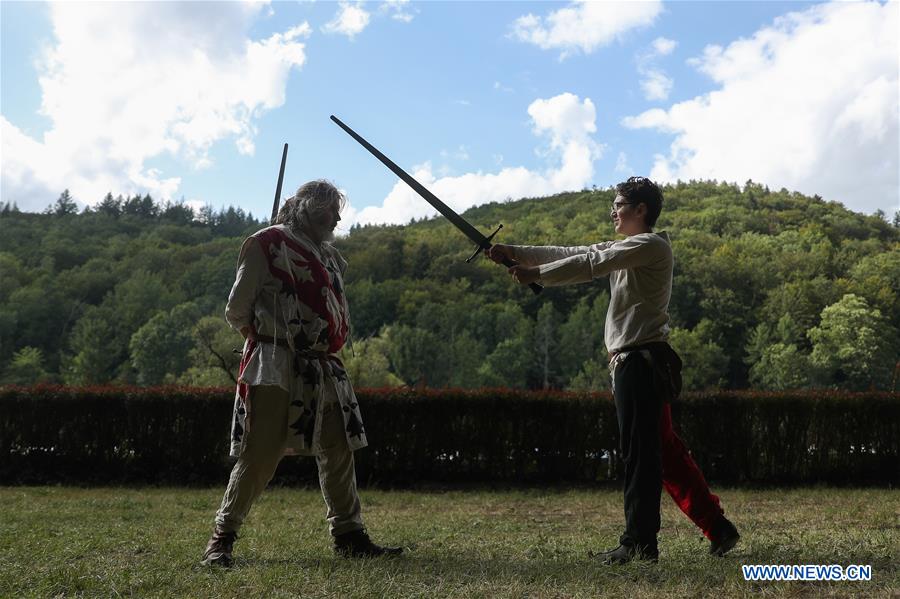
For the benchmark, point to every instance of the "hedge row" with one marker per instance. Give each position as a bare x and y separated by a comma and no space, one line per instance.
180,436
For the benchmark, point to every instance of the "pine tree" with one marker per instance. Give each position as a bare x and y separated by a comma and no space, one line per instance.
110,206
65,205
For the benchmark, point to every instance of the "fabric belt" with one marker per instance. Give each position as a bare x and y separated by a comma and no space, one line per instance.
306,353
643,346
665,363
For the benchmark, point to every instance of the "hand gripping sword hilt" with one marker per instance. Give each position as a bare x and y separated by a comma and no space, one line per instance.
478,249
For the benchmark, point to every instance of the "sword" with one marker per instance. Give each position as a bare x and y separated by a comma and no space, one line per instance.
481,242
278,186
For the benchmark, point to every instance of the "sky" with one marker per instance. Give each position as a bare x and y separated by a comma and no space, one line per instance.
480,101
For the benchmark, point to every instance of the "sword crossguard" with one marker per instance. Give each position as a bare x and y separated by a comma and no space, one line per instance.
479,248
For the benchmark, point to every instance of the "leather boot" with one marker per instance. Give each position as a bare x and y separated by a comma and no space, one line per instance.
358,544
626,553
218,550
724,537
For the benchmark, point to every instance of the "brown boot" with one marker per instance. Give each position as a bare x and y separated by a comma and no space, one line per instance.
358,544
218,550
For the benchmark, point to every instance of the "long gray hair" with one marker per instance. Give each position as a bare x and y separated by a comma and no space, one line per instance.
312,199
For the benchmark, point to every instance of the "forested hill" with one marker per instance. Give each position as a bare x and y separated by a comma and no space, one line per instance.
771,290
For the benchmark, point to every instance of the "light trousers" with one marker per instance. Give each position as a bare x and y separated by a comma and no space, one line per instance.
264,445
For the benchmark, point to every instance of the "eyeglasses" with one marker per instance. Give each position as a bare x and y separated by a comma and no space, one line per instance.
617,205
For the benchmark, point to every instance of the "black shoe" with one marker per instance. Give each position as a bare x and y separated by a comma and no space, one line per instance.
358,544
724,537
626,553
218,550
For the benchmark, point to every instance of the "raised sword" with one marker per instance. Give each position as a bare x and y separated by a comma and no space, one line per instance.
482,243
278,186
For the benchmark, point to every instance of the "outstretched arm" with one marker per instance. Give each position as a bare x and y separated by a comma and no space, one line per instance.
602,259
535,255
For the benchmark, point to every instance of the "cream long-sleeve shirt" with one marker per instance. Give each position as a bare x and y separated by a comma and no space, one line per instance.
640,276
251,303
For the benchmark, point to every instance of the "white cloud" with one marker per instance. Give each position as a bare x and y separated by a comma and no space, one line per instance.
399,9
656,84
584,25
565,121
622,165
128,82
350,20
809,103
663,46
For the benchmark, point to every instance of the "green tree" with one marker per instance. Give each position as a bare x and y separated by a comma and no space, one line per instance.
65,205
581,337
507,336
877,279
373,304
26,368
853,346
159,349
204,376
594,375
546,344
465,355
368,365
92,359
12,275
791,309
109,206
416,355
100,339
37,314
509,364
178,213
704,361
781,366
213,357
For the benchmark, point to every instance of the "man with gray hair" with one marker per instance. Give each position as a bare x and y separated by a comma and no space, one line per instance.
293,395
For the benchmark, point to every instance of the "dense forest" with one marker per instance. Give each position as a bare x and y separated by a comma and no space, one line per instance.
772,290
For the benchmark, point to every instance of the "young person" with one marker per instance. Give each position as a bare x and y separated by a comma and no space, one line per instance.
646,372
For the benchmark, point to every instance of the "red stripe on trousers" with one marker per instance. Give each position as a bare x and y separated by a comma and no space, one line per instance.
683,480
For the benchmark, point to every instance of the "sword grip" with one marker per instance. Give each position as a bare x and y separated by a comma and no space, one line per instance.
535,287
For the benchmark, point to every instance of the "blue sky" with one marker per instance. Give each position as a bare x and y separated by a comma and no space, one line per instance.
481,101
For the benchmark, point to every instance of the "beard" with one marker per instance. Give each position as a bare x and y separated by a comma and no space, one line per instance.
326,234
321,231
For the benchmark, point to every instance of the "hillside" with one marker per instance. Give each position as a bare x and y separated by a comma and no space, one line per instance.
771,290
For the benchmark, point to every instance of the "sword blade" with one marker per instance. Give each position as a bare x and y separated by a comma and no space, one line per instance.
459,222
278,186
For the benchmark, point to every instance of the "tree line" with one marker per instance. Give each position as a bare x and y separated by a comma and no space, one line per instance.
772,290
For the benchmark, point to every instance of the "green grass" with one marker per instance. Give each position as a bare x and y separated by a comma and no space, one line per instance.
59,541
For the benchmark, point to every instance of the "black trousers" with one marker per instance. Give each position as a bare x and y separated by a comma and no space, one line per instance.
638,408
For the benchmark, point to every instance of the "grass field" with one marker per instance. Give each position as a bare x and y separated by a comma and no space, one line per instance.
60,541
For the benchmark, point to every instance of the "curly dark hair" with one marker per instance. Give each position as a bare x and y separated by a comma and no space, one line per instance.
637,190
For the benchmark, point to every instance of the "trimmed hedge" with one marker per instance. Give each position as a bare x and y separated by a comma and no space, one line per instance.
176,435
